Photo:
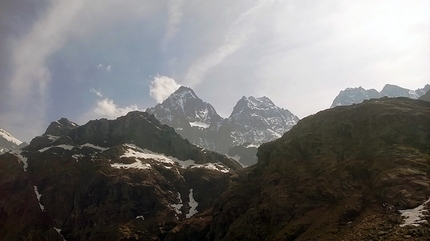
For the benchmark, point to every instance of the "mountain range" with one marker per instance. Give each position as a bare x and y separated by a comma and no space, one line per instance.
355,172
357,95
253,121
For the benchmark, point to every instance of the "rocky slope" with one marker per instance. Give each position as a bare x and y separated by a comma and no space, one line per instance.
253,120
257,120
351,96
347,173
132,178
9,142
426,96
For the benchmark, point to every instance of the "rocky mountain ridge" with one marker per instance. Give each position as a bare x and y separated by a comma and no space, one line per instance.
9,142
124,179
357,95
348,173
253,120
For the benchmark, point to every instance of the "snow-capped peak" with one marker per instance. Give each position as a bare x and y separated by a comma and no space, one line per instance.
6,135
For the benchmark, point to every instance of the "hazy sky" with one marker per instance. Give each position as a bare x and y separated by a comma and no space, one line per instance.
85,59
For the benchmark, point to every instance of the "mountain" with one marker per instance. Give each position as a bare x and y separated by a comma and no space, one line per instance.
132,178
192,118
253,120
396,91
349,173
351,96
9,142
357,172
426,96
258,120
183,110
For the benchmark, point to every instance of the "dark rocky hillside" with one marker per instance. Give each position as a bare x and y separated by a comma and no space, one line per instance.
126,179
341,174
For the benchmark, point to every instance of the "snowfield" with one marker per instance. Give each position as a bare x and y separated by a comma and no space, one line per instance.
414,216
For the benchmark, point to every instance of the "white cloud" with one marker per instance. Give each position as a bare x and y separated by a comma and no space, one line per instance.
97,92
237,35
161,87
174,15
61,22
106,108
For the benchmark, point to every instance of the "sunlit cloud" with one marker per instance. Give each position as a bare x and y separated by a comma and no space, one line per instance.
106,108
161,87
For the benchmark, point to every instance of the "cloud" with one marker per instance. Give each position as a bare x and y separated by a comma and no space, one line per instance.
237,35
174,19
97,92
106,108
109,68
61,22
161,87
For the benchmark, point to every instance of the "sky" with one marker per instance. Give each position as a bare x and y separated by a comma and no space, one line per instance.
96,59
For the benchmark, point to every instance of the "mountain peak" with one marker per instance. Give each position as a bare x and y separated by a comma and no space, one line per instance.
258,120
184,92
357,95
185,111
8,142
252,103
60,127
6,135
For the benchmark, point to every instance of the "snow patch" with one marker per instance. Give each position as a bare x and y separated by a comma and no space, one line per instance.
199,124
414,216
252,145
6,135
177,207
70,147
59,232
22,159
136,152
212,166
94,147
136,165
78,156
193,205
52,137
38,195
65,147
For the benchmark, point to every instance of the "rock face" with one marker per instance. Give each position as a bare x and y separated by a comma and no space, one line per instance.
346,173
257,121
253,120
351,96
9,142
426,96
132,178
190,117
